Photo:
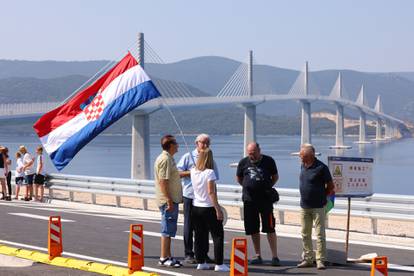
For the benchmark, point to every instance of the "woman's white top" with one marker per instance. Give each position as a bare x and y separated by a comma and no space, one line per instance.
199,180
38,160
27,158
19,167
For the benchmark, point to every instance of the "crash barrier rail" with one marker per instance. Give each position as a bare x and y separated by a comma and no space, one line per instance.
378,206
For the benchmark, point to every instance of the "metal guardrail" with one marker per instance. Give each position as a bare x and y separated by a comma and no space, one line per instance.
378,206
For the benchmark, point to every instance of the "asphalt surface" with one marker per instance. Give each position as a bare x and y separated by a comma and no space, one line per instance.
104,235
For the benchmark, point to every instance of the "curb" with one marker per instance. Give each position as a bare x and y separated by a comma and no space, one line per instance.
106,269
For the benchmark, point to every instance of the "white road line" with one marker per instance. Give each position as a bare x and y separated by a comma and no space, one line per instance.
157,234
146,268
374,244
286,235
37,217
85,257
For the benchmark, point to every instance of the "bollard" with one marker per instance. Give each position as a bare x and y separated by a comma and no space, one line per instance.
238,262
136,248
54,245
380,264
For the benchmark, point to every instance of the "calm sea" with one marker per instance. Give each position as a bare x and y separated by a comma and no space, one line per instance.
110,156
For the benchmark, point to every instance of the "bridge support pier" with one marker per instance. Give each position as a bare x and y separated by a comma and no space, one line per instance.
388,132
362,128
140,157
140,150
305,137
339,137
249,126
378,133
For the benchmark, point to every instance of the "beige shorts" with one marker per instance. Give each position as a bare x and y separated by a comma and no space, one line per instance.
2,176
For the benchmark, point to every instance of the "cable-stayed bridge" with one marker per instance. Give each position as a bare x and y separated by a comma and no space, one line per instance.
237,91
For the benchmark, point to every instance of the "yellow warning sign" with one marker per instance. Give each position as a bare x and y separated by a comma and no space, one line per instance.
337,171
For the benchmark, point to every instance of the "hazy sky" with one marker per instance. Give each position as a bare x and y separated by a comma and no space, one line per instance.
366,35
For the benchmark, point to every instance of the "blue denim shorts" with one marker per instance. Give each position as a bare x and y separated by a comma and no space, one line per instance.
169,221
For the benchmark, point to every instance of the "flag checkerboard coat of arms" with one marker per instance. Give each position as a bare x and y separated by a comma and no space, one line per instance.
65,130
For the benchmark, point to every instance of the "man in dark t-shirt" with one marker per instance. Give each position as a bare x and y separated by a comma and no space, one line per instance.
257,173
315,184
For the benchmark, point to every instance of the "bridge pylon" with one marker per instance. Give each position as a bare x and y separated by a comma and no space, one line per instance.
362,101
337,93
379,124
249,109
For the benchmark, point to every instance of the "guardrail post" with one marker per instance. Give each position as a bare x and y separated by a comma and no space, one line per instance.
145,204
71,196
374,226
118,201
281,216
93,198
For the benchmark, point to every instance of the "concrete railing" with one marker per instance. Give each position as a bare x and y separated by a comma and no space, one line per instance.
378,206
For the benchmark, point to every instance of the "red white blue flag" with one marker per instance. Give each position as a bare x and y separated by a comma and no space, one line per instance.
68,128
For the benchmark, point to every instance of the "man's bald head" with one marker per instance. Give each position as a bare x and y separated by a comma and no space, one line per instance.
307,153
253,151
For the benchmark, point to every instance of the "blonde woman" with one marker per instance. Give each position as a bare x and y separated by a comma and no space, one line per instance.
207,215
39,179
19,176
28,172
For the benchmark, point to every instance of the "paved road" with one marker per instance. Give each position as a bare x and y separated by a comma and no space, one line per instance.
103,235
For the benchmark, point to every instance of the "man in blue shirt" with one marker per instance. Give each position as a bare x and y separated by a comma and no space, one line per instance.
315,184
185,164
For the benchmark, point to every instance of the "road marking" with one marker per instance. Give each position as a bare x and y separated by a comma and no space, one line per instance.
37,217
373,244
157,234
146,268
85,257
286,235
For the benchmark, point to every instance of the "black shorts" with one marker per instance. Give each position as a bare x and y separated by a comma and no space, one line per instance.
39,179
29,179
252,212
19,180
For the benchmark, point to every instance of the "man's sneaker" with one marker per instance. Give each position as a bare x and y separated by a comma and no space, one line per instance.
190,260
275,261
305,264
256,260
320,265
170,262
204,266
221,268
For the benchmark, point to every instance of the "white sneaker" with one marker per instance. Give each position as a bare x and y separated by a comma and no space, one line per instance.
222,268
204,266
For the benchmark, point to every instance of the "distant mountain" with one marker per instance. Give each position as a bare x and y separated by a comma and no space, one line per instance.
48,69
209,75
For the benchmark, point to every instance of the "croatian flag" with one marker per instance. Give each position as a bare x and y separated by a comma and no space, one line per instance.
68,128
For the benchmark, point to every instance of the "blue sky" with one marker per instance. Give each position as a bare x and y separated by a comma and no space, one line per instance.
363,35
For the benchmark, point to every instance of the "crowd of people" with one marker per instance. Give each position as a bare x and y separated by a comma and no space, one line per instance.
192,181
29,174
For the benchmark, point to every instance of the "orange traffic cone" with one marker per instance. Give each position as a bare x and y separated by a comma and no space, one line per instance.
380,264
238,262
54,245
136,248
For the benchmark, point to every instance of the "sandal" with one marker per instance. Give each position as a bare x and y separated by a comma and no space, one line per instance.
170,262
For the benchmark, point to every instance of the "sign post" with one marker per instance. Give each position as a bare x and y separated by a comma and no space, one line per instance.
352,177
